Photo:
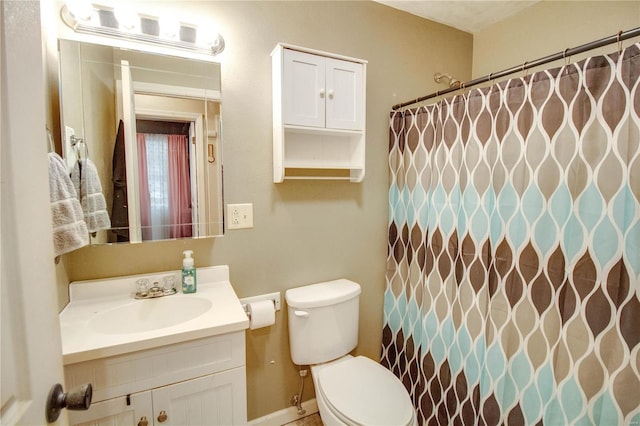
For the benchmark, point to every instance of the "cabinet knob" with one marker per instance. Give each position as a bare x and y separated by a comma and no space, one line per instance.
322,93
331,94
162,417
143,421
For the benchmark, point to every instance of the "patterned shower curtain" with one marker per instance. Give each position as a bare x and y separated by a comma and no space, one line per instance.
513,276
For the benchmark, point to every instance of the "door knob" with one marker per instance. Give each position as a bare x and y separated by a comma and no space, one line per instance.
143,421
162,417
78,399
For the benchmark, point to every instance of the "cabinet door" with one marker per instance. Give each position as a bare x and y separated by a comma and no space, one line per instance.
303,89
345,95
116,412
217,399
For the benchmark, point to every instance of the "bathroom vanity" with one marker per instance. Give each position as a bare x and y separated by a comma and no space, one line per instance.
180,361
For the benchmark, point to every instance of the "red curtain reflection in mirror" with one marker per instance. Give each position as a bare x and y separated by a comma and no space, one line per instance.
164,183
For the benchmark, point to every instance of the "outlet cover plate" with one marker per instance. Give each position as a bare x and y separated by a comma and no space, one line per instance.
240,215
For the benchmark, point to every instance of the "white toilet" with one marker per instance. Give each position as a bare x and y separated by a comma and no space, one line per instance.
323,329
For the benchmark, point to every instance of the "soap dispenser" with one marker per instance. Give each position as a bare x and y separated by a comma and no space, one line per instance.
188,273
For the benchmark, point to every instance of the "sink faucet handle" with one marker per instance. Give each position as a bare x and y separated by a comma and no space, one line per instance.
142,287
169,282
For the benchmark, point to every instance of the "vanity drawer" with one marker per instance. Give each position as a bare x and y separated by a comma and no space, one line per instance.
138,371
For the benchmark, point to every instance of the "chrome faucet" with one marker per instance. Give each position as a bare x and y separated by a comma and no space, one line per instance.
143,291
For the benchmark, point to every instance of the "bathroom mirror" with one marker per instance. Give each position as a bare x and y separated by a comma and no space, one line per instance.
151,126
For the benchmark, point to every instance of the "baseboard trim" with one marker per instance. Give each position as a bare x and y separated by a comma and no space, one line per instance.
286,415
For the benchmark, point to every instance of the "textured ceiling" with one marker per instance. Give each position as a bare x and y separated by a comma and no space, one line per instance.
466,15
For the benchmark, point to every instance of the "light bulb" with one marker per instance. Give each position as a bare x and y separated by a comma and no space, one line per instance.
169,27
127,18
207,35
82,10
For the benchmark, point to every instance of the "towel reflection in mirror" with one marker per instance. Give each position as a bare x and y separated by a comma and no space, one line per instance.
86,182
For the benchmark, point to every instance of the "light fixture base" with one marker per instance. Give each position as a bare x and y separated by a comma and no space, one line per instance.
103,22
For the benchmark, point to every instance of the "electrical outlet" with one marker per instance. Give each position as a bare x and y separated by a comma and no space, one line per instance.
240,216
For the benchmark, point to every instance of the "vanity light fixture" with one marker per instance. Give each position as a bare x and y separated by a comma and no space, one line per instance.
122,22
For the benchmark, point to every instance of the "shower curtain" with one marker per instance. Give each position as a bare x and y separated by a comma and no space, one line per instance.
513,274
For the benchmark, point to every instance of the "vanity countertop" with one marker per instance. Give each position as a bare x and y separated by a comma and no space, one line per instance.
83,341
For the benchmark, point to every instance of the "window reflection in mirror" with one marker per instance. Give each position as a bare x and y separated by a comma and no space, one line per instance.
151,126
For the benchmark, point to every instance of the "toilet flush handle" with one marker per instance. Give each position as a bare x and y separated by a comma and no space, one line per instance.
301,314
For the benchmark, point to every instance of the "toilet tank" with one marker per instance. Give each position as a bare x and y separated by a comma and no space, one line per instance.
323,320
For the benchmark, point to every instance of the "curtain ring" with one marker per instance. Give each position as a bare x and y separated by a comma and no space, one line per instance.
619,42
524,68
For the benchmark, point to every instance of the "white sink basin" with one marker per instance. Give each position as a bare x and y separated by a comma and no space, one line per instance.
103,319
149,314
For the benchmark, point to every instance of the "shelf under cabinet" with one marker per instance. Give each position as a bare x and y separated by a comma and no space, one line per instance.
321,131
323,153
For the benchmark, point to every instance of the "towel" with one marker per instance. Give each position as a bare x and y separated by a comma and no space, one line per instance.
69,228
86,182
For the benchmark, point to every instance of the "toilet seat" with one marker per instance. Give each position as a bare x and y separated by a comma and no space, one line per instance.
360,391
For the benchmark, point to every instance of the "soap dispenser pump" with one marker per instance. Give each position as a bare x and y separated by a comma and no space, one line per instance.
188,273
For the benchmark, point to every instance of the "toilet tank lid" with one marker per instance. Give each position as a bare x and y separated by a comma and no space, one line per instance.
322,294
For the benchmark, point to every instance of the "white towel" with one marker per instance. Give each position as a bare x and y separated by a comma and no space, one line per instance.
69,229
87,184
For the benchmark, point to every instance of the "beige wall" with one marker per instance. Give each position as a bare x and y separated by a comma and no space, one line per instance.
305,231
549,27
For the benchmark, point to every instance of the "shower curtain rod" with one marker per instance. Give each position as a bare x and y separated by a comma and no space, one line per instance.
622,35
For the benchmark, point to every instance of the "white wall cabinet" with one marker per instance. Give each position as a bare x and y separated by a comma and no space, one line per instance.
202,382
319,115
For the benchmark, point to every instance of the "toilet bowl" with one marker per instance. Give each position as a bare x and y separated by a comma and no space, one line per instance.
359,391
323,329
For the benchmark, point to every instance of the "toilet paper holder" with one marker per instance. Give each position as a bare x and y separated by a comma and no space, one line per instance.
274,297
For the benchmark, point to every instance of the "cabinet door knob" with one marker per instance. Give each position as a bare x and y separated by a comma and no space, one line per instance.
322,93
143,421
162,417
331,94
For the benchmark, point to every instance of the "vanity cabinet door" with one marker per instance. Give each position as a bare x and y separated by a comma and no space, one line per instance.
117,411
216,399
